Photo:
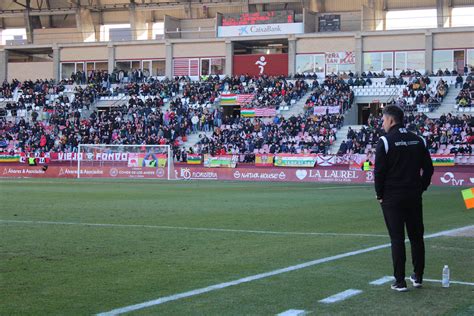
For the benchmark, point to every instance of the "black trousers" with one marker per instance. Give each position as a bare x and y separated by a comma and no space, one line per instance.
400,211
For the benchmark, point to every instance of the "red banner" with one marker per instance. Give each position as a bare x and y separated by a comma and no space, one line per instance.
259,64
25,171
327,175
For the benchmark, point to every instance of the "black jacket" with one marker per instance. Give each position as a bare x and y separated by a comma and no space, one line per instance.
399,159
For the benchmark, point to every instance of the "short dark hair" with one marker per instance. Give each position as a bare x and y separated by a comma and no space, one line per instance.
395,112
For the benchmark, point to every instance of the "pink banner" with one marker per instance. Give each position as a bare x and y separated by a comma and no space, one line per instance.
321,110
264,112
327,175
25,171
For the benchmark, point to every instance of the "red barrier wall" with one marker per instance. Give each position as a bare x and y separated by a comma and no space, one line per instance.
442,177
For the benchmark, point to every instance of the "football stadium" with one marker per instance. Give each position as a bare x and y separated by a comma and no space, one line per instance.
237,157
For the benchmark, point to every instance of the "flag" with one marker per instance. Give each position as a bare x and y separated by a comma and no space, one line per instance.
468,196
247,112
443,160
264,160
236,99
133,160
228,99
9,158
194,159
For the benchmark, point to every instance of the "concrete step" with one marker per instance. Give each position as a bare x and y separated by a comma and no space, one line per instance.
297,108
193,139
341,136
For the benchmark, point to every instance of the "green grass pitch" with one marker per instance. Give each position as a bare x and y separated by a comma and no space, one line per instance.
72,269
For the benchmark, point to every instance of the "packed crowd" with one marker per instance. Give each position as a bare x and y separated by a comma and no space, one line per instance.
449,133
420,91
297,134
334,91
466,95
63,123
60,124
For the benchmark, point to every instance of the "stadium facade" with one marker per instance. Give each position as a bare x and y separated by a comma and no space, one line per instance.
200,38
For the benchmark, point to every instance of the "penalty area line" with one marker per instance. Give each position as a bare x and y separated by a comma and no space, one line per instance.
260,276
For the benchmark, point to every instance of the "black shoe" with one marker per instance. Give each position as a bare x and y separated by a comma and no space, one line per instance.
399,286
417,282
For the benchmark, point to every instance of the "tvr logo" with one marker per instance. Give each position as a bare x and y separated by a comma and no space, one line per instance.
448,177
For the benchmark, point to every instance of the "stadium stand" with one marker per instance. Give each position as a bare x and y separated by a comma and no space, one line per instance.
450,134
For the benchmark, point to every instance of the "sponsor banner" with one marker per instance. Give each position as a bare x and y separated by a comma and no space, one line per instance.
285,160
260,29
258,64
443,160
326,175
60,156
454,179
227,161
132,159
264,160
193,159
111,156
185,173
9,158
322,110
25,171
340,58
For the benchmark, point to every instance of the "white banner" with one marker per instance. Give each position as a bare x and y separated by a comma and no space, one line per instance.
260,29
340,58
321,110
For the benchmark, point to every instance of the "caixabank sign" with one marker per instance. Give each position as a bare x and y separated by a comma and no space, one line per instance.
260,29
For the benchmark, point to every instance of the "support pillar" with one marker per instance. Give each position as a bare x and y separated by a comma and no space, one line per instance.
56,63
359,56
428,52
169,60
3,65
291,56
229,58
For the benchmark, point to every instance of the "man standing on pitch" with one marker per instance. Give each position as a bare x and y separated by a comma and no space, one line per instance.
403,170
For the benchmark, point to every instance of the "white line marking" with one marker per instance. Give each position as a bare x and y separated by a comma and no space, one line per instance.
450,281
340,296
192,228
382,280
387,278
293,312
219,286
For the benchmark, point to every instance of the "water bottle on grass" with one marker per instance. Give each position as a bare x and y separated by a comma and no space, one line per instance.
445,280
